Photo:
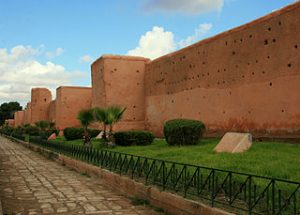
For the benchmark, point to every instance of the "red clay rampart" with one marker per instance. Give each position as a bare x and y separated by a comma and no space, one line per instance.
69,101
119,80
40,101
245,79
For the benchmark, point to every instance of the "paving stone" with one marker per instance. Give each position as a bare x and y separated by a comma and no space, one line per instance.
31,184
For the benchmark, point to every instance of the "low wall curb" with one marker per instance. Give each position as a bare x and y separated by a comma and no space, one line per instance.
168,201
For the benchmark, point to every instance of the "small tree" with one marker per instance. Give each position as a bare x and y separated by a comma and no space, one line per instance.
43,126
114,115
86,117
108,117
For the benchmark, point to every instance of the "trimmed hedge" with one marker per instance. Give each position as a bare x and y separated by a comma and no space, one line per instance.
31,130
128,138
183,131
77,133
73,133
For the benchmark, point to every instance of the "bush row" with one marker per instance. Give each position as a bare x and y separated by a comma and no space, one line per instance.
183,131
128,138
72,133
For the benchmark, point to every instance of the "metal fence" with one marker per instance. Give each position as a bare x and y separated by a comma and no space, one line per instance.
243,193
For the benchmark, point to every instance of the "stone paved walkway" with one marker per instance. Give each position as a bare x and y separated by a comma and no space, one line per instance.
31,184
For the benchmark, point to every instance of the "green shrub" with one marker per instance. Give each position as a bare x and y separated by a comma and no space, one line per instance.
31,130
73,133
94,132
7,130
128,138
18,132
183,131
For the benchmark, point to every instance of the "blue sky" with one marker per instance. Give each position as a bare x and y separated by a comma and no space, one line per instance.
53,42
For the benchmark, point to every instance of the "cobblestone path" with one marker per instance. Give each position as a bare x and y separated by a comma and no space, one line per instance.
31,184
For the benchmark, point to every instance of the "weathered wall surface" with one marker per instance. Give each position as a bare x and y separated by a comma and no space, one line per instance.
246,79
119,80
69,101
10,122
40,101
19,118
27,113
52,111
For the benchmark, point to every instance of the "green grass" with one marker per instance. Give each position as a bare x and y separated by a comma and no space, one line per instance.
272,159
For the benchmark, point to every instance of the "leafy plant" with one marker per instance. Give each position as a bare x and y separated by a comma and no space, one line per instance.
73,133
128,138
183,131
108,117
86,117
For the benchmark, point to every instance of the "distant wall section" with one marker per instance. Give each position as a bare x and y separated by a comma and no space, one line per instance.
69,102
40,101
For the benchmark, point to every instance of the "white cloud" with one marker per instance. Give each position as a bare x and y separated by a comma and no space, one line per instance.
199,32
56,53
20,71
86,59
158,42
183,6
154,43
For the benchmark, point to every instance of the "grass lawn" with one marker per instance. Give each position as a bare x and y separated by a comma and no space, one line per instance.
273,159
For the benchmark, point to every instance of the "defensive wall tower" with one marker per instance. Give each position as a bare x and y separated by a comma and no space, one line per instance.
69,102
40,101
119,80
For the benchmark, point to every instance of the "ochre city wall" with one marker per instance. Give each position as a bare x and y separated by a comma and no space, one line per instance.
119,80
52,111
10,122
246,79
19,118
27,114
69,101
40,101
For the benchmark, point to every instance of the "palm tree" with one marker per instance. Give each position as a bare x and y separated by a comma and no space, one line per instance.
108,117
100,115
114,115
86,117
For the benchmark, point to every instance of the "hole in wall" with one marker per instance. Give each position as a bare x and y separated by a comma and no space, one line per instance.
250,36
252,73
115,69
226,43
266,42
263,72
172,101
233,53
271,84
274,40
282,111
137,71
268,57
134,106
234,41
279,23
269,28
296,46
289,65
